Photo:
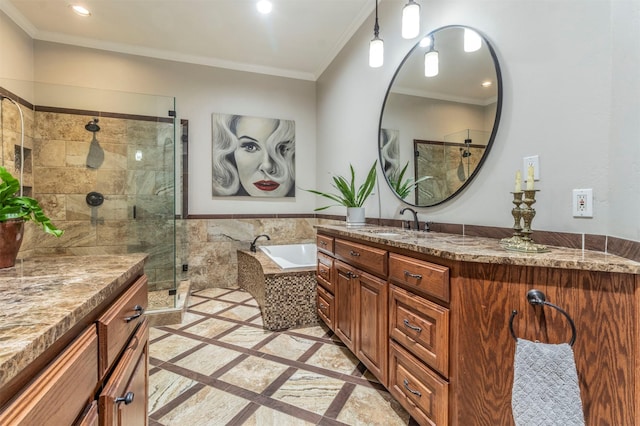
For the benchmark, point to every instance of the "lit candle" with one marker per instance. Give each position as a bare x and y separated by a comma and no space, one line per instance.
530,177
518,182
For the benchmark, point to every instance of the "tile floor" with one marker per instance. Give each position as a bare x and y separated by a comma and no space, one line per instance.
220,367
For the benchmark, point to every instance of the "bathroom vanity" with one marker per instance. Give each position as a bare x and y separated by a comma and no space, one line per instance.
428,314
74,341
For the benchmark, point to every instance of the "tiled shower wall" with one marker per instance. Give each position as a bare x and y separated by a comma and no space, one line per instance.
62,181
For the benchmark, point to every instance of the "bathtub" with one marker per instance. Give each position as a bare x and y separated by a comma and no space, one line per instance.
291,256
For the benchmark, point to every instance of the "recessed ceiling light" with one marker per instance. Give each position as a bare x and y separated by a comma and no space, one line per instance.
264,6
80,10
486,83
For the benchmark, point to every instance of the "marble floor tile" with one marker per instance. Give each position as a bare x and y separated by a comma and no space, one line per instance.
208,406
171,347
212,292
211,307
233,372
254,373
165,386
241,313
368,406
335,358
238,296
287,346
207,360
209,327
311,391
264,416
246,336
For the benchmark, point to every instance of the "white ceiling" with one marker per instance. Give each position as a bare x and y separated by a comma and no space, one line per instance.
298,39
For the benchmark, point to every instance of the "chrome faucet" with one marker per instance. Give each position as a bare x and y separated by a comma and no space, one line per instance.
253,244
415,217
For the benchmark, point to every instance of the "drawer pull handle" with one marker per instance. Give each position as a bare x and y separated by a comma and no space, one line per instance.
139,311
409,274
413,327
354,253
415,392
322,306
351,275
323,243
127,398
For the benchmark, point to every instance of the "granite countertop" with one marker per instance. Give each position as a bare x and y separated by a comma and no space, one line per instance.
483,250
43,298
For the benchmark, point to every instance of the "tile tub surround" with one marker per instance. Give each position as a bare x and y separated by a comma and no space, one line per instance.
221,367
286,298
484,250
44,298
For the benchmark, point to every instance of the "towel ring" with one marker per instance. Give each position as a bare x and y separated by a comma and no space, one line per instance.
536,297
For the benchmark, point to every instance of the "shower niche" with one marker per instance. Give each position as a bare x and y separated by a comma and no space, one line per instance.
87,145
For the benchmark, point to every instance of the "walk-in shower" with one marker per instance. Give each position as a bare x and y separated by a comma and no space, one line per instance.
112,193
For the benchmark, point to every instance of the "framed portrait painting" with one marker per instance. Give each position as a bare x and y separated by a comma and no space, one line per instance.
252,156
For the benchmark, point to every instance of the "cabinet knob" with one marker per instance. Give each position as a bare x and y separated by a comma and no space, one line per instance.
139,311
127,398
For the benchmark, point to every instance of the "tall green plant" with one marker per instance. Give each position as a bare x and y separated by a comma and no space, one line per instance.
348,196
13,207
404,187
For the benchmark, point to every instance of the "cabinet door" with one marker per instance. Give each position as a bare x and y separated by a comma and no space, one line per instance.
124,398
372,324
346,313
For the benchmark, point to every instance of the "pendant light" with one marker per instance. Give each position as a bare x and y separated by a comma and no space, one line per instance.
376,46
472,40
411,20
431,61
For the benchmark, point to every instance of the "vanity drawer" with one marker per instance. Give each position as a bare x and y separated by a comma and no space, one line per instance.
371,259
324,243
325,271
421,326
418,389
326,306
62,391
119,322
419,276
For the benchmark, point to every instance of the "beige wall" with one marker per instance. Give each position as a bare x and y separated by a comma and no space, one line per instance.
16,58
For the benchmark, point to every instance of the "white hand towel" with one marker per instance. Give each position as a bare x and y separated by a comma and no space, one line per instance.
545,385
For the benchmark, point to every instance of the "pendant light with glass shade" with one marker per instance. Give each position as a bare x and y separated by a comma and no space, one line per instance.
376,46
410,20
431,60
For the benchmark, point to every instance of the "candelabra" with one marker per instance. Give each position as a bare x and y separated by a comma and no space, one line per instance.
521,239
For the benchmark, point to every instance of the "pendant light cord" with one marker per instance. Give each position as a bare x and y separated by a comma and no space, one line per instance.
376,28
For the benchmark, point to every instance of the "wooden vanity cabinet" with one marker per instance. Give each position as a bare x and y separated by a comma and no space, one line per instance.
361,317
110,353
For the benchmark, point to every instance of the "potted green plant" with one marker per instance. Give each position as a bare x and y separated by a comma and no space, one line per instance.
350,197
15,210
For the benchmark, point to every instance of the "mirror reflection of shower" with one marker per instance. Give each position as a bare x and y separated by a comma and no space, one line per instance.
95,157
465,153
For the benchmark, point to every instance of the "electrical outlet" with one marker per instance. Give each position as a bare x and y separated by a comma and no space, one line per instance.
582,203
532,160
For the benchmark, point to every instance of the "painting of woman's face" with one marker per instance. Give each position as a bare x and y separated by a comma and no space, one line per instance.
256,167
253,156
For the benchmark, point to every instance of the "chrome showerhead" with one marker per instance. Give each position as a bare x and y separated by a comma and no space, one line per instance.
92,126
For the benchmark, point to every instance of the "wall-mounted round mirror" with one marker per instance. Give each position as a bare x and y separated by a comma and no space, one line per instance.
440,116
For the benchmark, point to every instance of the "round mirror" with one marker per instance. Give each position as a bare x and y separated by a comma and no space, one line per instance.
440,116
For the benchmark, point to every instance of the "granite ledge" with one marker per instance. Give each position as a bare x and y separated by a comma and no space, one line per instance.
483,250
43,298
